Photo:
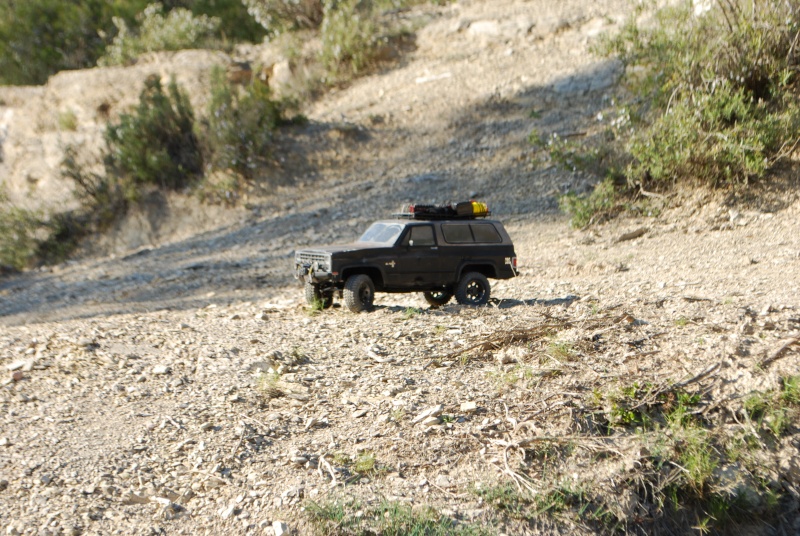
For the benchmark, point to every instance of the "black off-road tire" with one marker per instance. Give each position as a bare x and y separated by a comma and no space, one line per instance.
437,298
473,289
315,296
359,293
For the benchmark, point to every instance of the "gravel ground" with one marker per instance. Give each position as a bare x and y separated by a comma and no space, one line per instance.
184,387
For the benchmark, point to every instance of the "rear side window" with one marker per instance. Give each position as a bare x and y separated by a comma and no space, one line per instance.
486,233
455,233
481,233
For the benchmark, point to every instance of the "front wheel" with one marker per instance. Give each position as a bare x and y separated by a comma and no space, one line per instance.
316,298
359,293
437,298
473,289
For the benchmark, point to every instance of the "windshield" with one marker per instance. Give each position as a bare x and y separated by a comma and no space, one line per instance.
385,233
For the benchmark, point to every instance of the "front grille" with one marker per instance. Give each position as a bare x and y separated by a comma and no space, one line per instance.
320,260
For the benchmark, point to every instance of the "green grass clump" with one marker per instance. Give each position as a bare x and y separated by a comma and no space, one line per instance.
775,411
351,518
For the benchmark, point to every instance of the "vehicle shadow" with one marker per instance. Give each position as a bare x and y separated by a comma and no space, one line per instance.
508,303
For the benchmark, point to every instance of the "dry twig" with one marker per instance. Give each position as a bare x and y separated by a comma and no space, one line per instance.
779,352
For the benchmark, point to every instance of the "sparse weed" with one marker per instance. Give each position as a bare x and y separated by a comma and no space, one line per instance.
510,377
268,383
341,459
316,306
561,350
682,322
506,498
790,390
397,415
67,120
411,312
297,356
364,464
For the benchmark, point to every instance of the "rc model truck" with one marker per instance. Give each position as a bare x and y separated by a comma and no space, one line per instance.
439,250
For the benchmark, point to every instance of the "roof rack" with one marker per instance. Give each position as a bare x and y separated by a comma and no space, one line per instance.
467,210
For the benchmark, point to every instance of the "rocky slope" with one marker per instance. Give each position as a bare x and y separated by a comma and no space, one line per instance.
184,387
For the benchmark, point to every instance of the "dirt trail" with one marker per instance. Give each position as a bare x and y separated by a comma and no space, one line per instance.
185,388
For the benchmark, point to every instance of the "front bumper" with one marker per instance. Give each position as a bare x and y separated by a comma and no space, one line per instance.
311,275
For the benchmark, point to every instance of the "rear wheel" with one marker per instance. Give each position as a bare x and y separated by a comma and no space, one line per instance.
437,298
359,293
473,289
315,297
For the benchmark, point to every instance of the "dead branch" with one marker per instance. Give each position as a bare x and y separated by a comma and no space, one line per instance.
779,352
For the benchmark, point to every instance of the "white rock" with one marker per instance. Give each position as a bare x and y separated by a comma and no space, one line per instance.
469,407
225,513
161,369
280,528
431,421
434,411
484,27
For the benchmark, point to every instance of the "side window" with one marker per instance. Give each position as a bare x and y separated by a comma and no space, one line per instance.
422,235
486,233
457,233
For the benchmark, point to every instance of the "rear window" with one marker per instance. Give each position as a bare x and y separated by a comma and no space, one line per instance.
457,233
485,232
482,233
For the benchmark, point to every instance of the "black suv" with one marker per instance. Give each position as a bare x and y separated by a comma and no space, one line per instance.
442,251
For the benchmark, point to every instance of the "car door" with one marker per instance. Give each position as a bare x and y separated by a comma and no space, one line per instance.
416,260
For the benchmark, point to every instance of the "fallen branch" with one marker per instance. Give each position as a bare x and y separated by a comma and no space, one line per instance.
779,352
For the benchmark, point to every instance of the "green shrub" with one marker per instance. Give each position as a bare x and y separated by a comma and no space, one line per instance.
603,202
278,16
101,196
156,144
18,229
236,23
41,37
241,125
349,37
178,29
713,92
